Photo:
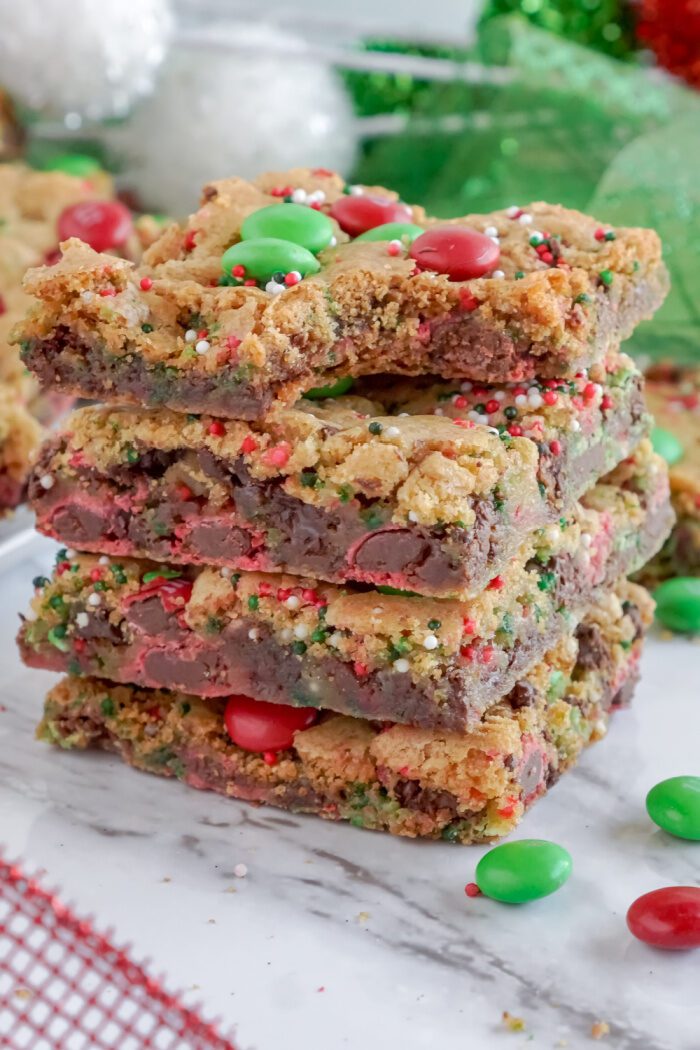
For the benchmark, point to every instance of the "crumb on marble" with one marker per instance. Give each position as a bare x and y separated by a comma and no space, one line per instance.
512,1023
363,916
240,871
599,1029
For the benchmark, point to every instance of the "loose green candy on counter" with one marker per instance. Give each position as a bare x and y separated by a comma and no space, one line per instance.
674,805
678,604
78,164
393,231
523,871
290,222
267,255
667,445
334,390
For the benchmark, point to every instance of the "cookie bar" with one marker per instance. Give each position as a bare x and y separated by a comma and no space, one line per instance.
673,393
20,436
438,663
539,291
389,777
337,488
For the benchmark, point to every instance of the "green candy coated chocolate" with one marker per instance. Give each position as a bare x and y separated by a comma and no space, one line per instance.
674,805
334,390
678,604
384,588
290,222
267,255
667,445
523,871
79,164
393,231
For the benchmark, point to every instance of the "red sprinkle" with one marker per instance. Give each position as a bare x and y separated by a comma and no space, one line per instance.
472,890
146,284
250,283
216,429
95,575
515,430
291,278
496,583
278,455
265,589
460,401
79,644
549,397
233,342
270,758
309,595
468,652
188,241
606,402
238,271
555,447
465,423
281,191
360,669
249,444
184,491
106,292
599,234
486,655
469,626
467,301
322,173
492,406
589,391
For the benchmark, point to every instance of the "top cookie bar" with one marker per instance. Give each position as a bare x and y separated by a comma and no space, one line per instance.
296,280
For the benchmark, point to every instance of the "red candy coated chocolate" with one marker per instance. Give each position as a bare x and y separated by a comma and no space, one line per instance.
101,224
667,918
357,214
258,726
457,251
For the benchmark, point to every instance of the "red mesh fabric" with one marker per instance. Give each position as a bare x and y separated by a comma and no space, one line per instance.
64,986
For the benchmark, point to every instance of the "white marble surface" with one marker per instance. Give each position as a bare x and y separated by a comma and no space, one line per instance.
341,938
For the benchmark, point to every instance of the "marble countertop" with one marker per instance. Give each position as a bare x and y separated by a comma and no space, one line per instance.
338,937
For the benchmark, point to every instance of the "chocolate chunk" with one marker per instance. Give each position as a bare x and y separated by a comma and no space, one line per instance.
593,650
430,801
523,694
150,617
212,540
98,626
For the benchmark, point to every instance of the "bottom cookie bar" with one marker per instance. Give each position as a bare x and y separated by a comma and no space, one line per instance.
464,788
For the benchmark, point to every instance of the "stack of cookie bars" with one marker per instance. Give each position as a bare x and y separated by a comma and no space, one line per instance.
350,535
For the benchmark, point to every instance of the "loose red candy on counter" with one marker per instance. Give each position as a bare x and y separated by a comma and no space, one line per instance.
101,224
357,214
256,725
668,918
457,251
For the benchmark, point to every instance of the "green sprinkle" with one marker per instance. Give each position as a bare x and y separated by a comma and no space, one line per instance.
434,625
161,574
319,635
235,577
99,585
61,555
606,277
298,648
610,235
119,574
519,274
384,588
582,298
57,637
56,602
480,408
372,517
375,428
310,479
253,602
214,625
146,328
547,581
185,707
107,707
345,493
131,455
510,412
39,582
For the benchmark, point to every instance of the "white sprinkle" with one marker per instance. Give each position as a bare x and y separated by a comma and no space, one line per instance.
430,642
226,573
254,634
202,346
525,219
82,619
575,425
537,234
512,211
299,196
274,288
190,336
466,386
335,639
356,191
396,246
498,275
439,412
403,415
295,274
495,240
493,430
314,687
87,297
586,539
103,560
378,610
552,532
292,602
317,197
94,599
412,516
333,242
240,871
491,231
46,482
521,399
70,554
535,401
286,634
498,395
301,631
402,666
392,432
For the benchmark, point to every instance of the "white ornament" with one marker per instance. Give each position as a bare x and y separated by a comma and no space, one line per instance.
82,59
237,111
